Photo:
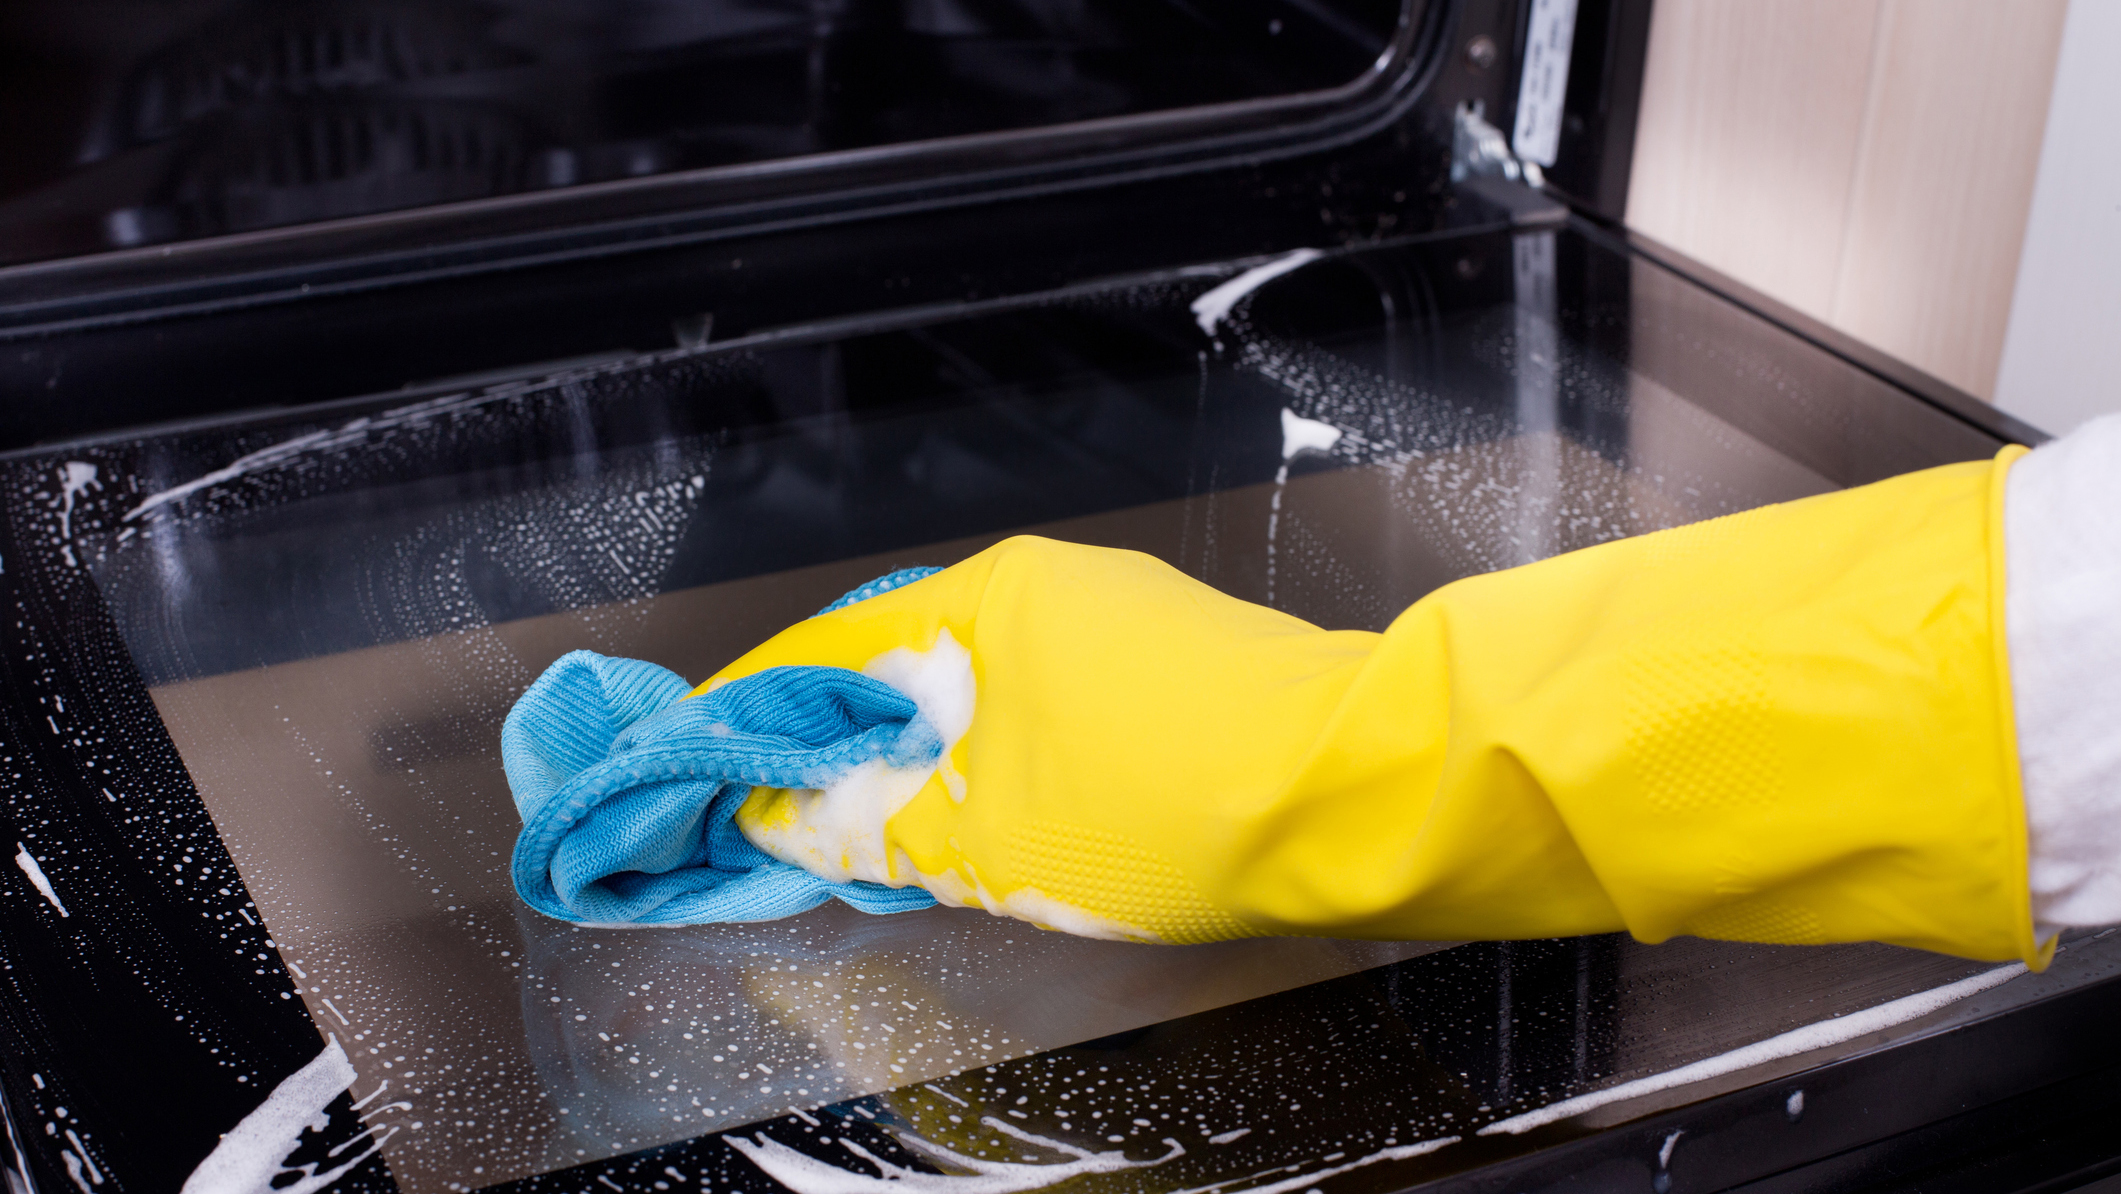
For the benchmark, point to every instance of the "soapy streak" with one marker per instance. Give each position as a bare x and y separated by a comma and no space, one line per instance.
252,1154
1211,308
358,430
79,1167
1298,435
1208,310
1398,1153
1664,1154
808,1175
1789,1044
36,877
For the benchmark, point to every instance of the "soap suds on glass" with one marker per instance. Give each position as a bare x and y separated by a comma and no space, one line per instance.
837,832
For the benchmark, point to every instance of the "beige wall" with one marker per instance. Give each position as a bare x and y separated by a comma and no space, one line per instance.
1869,162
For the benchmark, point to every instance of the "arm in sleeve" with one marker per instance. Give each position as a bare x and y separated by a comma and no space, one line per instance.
2062,611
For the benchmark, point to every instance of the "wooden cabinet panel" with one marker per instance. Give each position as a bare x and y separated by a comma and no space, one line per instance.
1869,162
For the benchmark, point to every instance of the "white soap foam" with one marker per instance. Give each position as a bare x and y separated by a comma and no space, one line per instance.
838,831
1799,1040
1031,904
253,1153
939,681
1664,1154
1211,308
36,877
1299,434
962,889
75,478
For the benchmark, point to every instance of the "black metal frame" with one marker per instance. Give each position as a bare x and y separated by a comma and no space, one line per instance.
1597,153
1931,389
304,309
2019,1102
685,208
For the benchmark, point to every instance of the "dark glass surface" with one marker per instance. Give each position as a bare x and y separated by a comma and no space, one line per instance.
132,124
254,686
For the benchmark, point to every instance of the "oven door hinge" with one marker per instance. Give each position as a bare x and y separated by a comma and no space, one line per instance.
1479,149
1482,165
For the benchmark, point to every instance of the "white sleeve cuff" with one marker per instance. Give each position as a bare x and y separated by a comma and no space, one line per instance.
2062,619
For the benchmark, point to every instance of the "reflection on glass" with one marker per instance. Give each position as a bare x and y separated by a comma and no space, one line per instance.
198,121
333,627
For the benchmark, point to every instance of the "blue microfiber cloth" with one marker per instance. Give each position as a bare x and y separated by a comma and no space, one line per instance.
628,790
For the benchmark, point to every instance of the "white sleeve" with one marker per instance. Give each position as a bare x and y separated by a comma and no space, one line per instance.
2062,619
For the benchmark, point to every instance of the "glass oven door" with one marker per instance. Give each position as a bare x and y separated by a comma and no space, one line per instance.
255,672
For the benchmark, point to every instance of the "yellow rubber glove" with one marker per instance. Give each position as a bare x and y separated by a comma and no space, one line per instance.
1790,725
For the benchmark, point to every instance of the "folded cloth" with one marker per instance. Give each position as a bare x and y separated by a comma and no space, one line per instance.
627,789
